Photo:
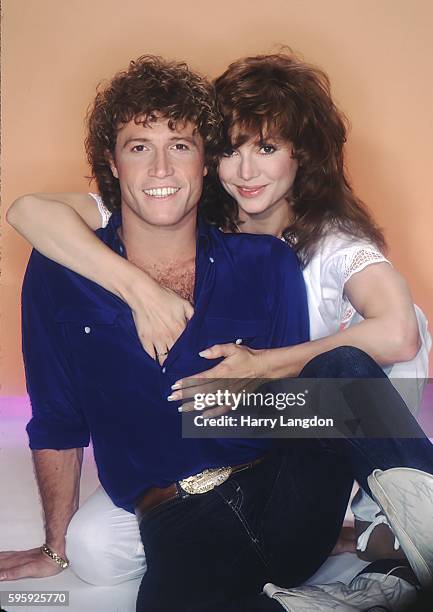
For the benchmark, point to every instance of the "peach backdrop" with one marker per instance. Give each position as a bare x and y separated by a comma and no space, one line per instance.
378,53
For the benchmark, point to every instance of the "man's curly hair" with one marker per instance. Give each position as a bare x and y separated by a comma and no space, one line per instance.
151,87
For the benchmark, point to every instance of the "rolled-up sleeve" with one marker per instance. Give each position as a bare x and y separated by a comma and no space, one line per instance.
57,421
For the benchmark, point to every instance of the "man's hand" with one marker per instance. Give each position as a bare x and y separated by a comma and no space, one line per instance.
33,563
58,477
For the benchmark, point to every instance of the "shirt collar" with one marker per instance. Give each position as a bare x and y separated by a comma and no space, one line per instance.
110,234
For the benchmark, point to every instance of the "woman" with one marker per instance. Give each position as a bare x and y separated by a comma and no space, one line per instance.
282,165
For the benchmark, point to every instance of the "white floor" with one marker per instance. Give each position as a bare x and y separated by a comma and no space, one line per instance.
21,524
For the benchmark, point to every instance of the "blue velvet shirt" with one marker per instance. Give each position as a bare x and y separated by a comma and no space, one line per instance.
88,375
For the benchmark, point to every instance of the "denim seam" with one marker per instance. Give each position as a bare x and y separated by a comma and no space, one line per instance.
240,493
253,540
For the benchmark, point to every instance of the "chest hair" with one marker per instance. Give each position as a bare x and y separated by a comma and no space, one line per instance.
179,277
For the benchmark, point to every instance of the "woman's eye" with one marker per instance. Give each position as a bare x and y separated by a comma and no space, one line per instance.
267,149
137,148
229,152
180,146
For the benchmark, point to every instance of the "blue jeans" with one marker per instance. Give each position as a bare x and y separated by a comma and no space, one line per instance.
276,522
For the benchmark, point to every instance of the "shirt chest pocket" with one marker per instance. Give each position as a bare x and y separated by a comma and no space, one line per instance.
99,348
220,330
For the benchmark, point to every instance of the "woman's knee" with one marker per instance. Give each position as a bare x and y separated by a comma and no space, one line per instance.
342,362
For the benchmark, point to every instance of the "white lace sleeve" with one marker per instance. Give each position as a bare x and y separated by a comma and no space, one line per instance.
341,257
359,259
354,261
103,210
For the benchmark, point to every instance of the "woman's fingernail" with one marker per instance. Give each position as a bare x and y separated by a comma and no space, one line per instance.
180,409
171,398
176,386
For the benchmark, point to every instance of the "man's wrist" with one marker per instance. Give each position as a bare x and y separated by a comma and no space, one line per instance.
57,545
55,556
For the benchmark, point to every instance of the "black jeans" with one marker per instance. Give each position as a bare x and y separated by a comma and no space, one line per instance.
276,522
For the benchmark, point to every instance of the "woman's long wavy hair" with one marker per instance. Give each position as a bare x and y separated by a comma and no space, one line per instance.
281,96
151,87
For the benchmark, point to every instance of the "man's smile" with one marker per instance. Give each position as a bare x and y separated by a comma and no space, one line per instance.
161,192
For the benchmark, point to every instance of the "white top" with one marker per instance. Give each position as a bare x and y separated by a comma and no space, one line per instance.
103,210
338,257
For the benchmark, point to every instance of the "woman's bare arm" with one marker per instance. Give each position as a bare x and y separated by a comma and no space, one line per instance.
60,227
389,333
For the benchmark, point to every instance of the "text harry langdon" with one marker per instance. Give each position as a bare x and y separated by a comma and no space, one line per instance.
268,422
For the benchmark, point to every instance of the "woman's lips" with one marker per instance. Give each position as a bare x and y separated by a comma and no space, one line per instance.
250,192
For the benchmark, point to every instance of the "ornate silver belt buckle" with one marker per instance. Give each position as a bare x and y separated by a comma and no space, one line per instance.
205,481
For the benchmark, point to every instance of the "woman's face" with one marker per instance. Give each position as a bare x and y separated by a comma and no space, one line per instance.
259,175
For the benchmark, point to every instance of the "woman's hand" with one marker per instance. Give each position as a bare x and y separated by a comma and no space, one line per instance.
241,369
160,316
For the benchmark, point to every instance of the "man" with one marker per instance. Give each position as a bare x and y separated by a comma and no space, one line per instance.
87,374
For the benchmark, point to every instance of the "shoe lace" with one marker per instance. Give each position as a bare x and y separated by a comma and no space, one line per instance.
364,538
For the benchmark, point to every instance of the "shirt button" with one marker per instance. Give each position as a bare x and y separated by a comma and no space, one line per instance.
238,341
87,330
164,369
211,259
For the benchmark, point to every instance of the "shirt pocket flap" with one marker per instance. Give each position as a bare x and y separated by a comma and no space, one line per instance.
231,330
90,315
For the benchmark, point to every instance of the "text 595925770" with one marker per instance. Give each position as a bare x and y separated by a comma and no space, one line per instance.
34,598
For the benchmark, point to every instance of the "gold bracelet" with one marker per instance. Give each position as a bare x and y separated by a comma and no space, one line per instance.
54,556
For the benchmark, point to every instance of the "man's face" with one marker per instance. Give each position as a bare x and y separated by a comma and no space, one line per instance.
160,171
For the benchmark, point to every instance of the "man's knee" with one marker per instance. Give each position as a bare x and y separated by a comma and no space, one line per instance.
343,362
86,549
95,556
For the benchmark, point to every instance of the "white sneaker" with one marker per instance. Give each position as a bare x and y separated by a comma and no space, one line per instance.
366,591
306,599
406,498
